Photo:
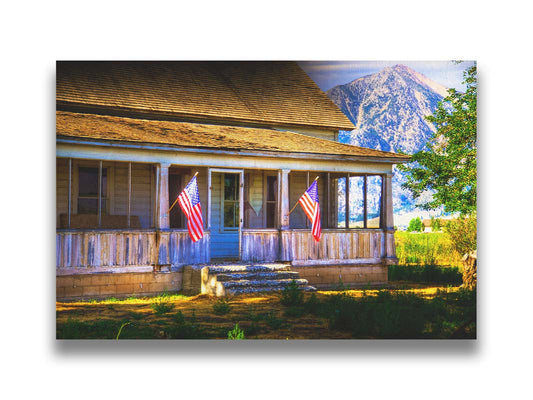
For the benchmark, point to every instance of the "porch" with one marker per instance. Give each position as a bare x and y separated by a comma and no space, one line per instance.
113,218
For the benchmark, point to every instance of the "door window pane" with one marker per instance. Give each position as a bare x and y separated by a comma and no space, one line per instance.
230,186
231,214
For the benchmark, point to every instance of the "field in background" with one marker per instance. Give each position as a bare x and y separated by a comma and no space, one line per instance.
425,249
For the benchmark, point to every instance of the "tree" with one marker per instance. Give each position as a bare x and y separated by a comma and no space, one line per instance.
447,167
415,225
435,224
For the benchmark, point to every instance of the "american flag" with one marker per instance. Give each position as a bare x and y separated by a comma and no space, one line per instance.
309,202
189,201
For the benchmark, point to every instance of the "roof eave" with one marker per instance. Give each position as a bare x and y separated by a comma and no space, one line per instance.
228,151
62,105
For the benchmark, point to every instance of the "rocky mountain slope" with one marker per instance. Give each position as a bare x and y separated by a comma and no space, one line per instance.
388,110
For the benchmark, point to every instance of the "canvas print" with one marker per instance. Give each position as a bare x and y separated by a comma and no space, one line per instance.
266,200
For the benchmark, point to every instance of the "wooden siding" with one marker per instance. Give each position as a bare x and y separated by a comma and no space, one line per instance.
260,245
342,246
77,249
61,188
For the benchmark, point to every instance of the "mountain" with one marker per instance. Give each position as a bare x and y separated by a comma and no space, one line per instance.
388,110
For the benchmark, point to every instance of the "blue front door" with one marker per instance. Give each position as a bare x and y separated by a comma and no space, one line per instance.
225,215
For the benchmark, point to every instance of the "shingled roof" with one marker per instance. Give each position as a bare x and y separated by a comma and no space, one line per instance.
202,136
270,94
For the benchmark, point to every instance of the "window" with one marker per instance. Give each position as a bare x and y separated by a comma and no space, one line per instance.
230,202
175,187
88,191
271,201
359,204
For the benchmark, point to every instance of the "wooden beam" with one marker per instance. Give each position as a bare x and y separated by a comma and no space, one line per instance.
69,190
347,202
328,199
209,199
129,194
99,194
365,183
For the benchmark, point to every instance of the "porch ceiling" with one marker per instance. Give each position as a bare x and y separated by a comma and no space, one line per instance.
201,136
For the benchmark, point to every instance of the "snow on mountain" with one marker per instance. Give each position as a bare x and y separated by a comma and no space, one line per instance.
388,109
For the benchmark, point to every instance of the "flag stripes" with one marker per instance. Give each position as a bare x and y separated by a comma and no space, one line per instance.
311,207
189,201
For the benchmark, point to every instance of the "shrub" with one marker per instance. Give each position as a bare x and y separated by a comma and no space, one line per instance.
221,307
292,295
183,329
162,307
462,232
236,333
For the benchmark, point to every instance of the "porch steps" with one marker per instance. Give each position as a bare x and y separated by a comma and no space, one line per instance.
222,280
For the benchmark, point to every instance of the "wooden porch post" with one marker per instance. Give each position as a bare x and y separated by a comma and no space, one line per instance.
388,223
284,242
163,217
284,223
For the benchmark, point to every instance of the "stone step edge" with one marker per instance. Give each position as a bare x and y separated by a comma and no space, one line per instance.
270,275
256,289
247,268
277,282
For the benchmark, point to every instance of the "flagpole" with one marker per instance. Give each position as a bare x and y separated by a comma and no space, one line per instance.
173,204
292,209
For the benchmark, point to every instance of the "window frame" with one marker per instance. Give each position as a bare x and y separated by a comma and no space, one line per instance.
223,201
76,165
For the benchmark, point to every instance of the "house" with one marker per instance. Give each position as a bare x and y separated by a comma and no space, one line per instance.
130,136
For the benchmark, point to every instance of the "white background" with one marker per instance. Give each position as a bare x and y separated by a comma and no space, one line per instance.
35,35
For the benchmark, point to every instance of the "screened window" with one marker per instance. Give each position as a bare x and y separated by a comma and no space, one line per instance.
271,200
88,191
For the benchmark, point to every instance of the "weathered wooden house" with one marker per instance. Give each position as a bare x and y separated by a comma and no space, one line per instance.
130,135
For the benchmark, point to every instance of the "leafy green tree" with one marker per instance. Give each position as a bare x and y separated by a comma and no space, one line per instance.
447,166
415,225
435,224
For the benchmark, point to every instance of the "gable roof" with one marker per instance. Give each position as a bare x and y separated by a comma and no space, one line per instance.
264,93
209,137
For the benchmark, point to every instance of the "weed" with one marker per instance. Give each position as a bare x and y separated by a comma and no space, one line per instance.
136,316
292,295
162,307
272,320
121,327
236,333
294,312
221,307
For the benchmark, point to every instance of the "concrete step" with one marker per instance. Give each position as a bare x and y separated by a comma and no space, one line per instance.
221,269
277,282
257,276
263,289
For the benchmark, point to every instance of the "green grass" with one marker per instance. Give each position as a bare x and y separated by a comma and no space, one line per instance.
425,249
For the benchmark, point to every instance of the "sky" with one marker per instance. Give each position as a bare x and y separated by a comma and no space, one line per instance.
328,74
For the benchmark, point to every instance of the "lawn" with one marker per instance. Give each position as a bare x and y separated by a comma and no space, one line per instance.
404,311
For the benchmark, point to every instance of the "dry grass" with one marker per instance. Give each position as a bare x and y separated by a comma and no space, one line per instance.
261,316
